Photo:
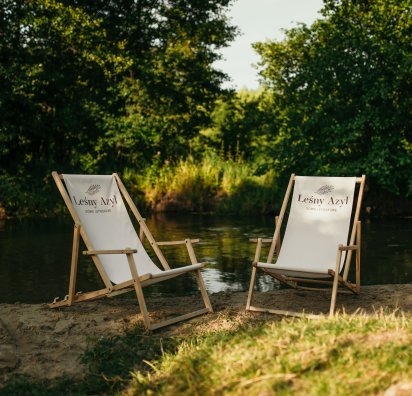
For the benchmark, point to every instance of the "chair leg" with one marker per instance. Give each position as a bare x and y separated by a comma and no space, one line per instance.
142,304
358,255
73,269
198,275
203,291
139,291
253,276
335,282
251,288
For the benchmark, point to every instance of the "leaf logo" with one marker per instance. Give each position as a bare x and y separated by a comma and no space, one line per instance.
93,189
326,189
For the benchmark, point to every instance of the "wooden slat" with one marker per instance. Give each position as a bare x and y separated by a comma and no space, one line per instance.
322,289
199,278
122,285
139,291
81,297
116,251
91,295
344,283
345,248
278,241
141,231
264,240
253,276
358,256
280,278
281,216
361,181
167,243
121,291
285,313
335,281
203,291
251,288
74,262
178,319
305,280
191,252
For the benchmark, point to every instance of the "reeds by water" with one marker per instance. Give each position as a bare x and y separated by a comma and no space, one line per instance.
211,184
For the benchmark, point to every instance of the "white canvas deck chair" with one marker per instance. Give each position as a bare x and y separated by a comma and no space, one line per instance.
317,247
102,220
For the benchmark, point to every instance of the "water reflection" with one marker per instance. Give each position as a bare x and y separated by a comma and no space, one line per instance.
35,255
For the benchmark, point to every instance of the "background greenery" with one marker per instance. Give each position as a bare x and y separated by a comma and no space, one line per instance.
130,86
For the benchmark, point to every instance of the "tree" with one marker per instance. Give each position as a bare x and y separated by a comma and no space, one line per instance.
343,88
170,87
93,86
240,127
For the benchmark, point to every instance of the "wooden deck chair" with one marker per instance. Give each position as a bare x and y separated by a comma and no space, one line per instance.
97,206
315,241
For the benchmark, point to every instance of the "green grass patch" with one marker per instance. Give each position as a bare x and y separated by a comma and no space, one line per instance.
357,355
346,355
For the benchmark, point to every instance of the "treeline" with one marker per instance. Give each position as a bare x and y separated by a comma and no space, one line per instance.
130,86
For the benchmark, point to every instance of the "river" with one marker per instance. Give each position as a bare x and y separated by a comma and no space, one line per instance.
35,254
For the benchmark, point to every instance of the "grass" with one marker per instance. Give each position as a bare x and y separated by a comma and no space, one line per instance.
348,355
210,184
245,355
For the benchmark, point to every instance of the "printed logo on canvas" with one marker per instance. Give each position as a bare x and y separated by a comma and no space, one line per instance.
93,189
323,199
96,203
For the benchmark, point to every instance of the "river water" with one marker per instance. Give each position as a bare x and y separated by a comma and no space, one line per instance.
35,255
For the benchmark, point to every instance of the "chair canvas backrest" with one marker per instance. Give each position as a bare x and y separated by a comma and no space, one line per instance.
319,221
104,217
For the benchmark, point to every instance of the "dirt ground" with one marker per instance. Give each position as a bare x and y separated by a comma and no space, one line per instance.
40,342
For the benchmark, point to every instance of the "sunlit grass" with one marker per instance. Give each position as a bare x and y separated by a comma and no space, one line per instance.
246,354
209,184
355,355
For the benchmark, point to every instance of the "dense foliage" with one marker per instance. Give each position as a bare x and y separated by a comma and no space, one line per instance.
343,90
130,86
93,86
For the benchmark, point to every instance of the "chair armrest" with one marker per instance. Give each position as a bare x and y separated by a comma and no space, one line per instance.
120,251
350,247
264,240
170,243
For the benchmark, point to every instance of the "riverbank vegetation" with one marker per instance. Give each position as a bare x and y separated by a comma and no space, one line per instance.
349,354
211,184
131,87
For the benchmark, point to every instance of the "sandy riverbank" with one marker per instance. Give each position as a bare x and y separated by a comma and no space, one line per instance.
43,343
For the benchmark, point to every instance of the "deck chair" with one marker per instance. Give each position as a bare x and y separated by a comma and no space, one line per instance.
97,206
315,253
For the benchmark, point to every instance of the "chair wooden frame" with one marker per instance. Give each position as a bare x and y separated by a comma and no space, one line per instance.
136,282
335,279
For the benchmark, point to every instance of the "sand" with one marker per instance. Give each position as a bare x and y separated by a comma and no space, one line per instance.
40,342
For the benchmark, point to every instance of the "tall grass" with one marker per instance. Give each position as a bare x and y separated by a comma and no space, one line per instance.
210,184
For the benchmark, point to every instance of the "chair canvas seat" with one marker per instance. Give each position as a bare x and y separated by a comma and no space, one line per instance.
103,215
317,241
97,204
296,271
318,222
